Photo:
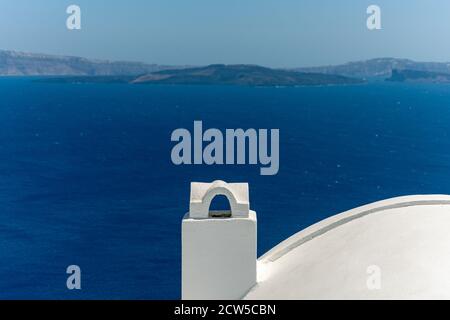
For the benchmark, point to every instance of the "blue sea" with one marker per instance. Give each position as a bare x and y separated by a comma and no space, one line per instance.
86,176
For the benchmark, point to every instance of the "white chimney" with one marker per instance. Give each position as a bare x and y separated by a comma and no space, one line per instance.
218,247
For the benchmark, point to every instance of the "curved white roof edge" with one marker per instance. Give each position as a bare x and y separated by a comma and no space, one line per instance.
337,220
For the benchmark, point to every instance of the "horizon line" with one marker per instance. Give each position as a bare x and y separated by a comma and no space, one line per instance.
106,60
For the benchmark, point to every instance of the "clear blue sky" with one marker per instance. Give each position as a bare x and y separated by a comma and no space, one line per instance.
277,33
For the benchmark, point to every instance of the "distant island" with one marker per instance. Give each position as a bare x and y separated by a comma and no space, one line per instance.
252,75
60,69
379,68
219,74
14,63
419,76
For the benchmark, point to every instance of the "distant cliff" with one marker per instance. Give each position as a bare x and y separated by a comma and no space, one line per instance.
242,75
378,68
419,76
13,63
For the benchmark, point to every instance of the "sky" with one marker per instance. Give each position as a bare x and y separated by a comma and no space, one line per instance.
274,33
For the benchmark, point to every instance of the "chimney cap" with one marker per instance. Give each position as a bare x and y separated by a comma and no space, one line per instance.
203,193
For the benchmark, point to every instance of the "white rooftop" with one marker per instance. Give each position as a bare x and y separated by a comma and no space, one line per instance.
392,249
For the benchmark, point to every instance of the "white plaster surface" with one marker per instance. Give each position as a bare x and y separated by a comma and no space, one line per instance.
218,257
407,238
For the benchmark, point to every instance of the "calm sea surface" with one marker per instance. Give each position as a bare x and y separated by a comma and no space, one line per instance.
86,176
